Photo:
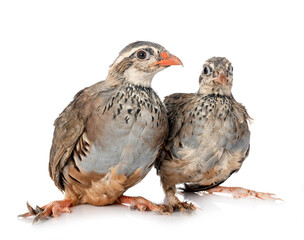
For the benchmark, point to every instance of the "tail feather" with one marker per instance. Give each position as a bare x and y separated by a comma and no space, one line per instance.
198,187
194,187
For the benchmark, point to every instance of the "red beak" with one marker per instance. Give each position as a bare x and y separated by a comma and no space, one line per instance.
223,79
168,60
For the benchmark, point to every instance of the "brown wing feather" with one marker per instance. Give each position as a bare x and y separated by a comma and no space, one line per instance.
175,104
71,124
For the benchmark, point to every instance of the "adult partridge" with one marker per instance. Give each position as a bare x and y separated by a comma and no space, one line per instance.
107,139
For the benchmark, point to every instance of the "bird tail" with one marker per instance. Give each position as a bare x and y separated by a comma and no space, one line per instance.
198,187
194,187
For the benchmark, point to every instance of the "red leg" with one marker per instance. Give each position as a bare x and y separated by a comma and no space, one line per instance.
239,192
53,209
143,204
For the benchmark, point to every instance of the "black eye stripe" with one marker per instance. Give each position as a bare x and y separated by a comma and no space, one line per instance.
150,50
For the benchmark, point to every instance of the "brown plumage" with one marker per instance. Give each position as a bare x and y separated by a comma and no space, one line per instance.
107,139
208,138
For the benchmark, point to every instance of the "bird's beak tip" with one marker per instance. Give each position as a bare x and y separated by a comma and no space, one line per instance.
169,60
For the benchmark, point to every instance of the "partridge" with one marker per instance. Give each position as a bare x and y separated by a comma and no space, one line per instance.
107,139
208,137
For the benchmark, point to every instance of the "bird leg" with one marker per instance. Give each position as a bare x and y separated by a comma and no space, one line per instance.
239,192
175,204
143,204
52,209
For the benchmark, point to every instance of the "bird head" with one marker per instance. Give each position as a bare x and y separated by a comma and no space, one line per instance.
138,62
216,76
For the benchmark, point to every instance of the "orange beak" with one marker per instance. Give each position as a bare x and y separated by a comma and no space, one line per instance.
168,60
221,78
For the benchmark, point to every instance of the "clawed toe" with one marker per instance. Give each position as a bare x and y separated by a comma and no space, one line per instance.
266,196
158,208
38,212
142,204
183,207
42,216
176,205
239,192
31,211
51,210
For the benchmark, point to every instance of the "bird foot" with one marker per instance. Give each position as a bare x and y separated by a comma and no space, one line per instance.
239,192
183,207
176,205
53,209
143,204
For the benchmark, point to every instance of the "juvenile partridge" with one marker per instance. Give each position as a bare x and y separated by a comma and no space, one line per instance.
107,139
208,137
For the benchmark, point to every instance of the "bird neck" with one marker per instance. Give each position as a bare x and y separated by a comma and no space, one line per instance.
136,77
133,76
218,90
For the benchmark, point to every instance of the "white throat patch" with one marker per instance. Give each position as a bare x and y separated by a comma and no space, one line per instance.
134,76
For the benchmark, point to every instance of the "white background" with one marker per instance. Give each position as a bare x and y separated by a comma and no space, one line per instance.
51,49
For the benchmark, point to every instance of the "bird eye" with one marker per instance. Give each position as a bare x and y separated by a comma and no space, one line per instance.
142,55
207,70
230,69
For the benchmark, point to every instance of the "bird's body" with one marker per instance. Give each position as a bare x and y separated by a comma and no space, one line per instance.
208,137
208,141
124,133
107,139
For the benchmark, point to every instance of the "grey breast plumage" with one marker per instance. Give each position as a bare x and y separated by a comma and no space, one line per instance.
122,126
133,130
207,133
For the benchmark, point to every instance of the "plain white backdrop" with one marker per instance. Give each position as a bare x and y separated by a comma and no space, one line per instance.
49,50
